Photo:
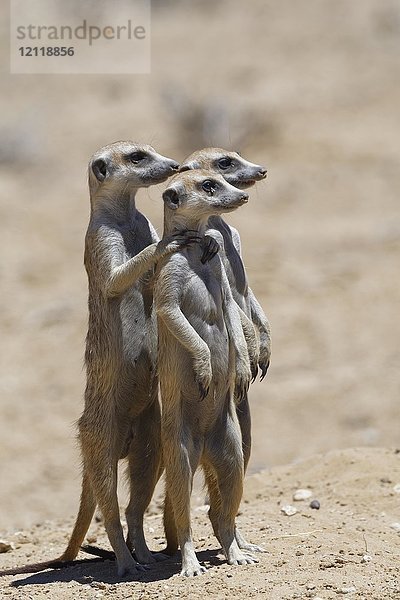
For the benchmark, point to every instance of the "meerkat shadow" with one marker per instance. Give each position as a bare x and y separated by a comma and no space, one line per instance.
92,571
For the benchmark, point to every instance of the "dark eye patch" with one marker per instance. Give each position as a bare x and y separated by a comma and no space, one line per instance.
209,186
136,157
225,162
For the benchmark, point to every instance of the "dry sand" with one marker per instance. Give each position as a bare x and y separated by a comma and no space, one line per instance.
348,547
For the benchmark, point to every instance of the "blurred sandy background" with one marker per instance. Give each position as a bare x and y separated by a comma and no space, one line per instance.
309,88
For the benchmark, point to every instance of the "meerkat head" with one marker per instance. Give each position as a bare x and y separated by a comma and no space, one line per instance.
199,194
130,165
235,169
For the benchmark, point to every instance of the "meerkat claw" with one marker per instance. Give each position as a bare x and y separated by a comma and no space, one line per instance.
264,369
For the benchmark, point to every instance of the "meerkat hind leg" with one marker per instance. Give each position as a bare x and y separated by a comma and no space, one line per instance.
144,471
214,498
226,457
244,418
102,466
181,460
126,564
171,533
214,512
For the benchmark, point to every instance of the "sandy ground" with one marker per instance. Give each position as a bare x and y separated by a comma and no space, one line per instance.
346,548
308,88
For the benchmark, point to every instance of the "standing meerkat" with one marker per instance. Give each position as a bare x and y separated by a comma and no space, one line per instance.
121,417
202,357
241,174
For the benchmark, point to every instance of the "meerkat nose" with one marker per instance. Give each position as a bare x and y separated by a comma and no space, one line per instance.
244,197
262,172
175,166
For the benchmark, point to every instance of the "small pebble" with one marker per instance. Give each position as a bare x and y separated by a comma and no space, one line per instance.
366,558
395,526
288,510
315,504
302,495
347,590
396,488
5,546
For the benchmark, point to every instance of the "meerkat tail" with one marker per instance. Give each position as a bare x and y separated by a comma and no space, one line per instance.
96,551
50,564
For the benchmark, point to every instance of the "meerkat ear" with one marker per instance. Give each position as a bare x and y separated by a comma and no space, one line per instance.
99,169
189,166
171,198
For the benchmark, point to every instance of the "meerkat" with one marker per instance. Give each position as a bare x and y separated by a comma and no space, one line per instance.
121,417
203,356
241,174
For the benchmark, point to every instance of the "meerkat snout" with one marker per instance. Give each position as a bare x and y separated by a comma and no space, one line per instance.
234,168
263,173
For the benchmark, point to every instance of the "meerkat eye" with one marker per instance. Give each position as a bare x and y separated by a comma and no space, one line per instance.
209,186
225,162
136,157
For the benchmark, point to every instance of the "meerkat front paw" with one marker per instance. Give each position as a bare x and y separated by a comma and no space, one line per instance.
176,241
254,359
252,344
264,358
203,374
243,377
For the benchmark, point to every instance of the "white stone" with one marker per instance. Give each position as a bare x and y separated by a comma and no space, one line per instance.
366,558
347,590
302,495
288,510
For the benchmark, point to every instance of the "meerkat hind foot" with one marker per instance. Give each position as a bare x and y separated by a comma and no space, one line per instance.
235,556
243,559
132,570
193,570
149,558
